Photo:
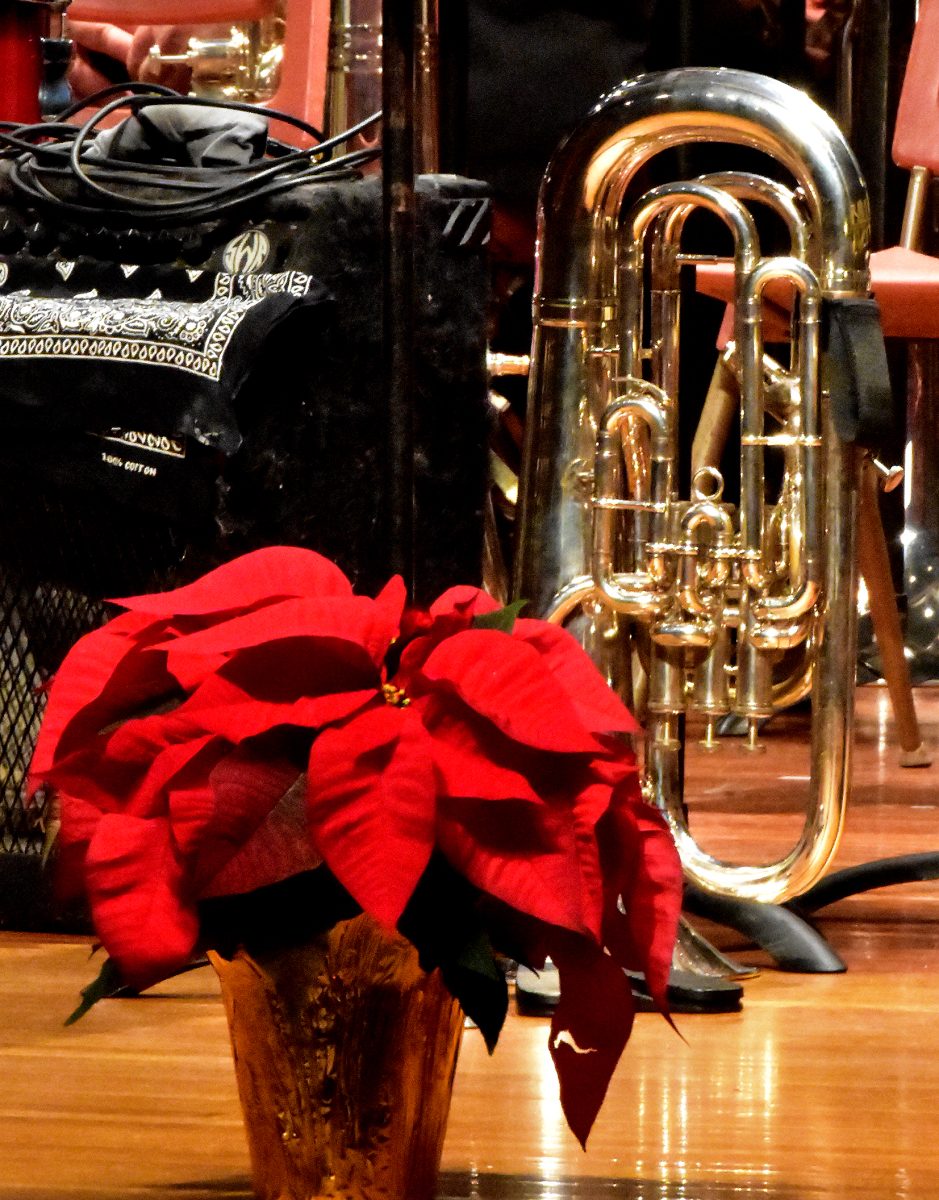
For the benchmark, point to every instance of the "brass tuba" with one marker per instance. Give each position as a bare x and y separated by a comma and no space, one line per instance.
700,604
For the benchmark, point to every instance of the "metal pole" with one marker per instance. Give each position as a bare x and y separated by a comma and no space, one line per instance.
454,84
399,20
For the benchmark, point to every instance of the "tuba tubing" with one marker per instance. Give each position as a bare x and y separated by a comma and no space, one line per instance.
585,357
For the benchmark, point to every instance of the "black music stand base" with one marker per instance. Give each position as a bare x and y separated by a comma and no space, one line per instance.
792,943
784,931
851,881
537,993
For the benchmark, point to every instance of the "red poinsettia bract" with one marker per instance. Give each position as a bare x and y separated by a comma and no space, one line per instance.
171,740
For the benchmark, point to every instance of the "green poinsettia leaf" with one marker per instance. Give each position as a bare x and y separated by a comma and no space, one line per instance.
443,921
107,983
475,978
502,619
277,916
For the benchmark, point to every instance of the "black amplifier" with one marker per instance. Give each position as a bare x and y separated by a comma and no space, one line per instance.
174,397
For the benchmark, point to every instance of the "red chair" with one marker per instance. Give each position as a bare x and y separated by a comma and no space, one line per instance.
21,27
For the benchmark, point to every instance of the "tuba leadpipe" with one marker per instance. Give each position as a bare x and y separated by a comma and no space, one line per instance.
605,541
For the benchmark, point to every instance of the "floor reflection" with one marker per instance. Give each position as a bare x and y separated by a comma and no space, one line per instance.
471,1185
491,1185
236,1188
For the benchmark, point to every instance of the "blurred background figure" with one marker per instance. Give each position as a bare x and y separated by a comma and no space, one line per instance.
825,26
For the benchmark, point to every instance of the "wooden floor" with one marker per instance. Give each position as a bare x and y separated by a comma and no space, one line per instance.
822,1087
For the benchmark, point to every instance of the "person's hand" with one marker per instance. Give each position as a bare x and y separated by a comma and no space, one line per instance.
100,56
105,54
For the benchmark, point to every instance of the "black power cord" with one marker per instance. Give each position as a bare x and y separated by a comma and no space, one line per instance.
51,170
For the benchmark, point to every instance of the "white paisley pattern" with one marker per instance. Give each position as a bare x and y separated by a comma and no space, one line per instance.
189,335
270,283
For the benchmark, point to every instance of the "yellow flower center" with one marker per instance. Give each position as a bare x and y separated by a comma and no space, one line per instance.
395,695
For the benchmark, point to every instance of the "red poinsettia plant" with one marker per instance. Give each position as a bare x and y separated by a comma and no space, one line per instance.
461,773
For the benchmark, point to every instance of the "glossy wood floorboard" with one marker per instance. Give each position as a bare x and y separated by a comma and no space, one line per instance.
821,1088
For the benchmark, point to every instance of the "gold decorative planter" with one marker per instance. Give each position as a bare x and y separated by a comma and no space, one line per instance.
345,1052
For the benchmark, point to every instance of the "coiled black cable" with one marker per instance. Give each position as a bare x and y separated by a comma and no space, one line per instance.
51,170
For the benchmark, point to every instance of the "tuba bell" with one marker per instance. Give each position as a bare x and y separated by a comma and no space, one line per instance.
692,606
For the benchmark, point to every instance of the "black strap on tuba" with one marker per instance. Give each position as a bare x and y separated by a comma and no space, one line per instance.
862,402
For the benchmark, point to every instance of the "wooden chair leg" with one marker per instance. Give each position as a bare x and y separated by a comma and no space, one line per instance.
874,565
720,408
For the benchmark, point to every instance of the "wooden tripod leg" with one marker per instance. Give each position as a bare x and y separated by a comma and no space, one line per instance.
874,564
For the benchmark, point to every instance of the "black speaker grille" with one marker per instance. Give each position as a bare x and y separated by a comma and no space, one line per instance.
60,556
